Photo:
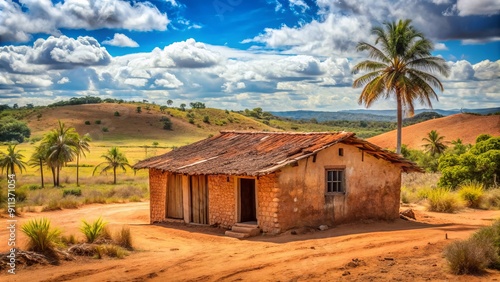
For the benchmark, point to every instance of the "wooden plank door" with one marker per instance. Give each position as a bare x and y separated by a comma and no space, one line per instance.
199,199
248,207
174,197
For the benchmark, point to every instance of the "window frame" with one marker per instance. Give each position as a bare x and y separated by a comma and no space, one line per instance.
342,180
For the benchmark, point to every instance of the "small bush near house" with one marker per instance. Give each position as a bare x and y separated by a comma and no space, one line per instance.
471,193
443,200
41,237
87,122
94,230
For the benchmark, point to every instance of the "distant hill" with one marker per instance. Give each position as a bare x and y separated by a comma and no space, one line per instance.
130,125
464,126
371,115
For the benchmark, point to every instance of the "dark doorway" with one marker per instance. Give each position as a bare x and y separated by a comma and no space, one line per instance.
199,199
248,208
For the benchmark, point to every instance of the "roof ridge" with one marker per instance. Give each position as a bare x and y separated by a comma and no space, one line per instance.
283,132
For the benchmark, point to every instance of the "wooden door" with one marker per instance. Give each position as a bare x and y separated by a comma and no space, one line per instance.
199,199
248,209
174,197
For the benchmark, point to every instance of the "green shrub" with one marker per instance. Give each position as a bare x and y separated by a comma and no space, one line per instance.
41,238
116,114
471,193
105,129
423,193
94,230
98,121
191,120
111,251
74,192
206,119
87,122
443,200
123,238
68,240
33,187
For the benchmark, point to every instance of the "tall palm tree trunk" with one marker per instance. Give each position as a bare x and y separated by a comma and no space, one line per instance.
400,121
77,164
53,170
41,172
114,175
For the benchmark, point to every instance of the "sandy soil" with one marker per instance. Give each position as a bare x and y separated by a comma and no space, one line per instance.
464,126
365,251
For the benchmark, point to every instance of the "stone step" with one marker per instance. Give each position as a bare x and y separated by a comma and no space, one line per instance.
249,225
237,235
252,231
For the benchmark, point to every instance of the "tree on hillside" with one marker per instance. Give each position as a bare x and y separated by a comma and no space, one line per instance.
11,159
39,159
401,66
82,146
61,143
13,130
114,159
434,143
183,107
162,109
169,102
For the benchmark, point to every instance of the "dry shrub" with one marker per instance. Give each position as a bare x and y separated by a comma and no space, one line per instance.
69,202
68,240
443,200
491,199
111,251
474,255
53,205
123,238
94,196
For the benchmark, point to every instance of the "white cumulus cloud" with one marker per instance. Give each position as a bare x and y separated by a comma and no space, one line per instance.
121,40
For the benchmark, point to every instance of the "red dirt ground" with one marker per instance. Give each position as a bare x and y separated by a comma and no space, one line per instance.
382,251
464,126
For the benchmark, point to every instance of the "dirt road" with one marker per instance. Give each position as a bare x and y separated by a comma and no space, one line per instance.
368,251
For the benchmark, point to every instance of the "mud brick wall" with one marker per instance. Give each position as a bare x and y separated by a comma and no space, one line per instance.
222,200
268,203
157,194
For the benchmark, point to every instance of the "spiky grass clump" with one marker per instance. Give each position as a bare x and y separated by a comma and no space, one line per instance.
471,193
94,230
41,237
443,200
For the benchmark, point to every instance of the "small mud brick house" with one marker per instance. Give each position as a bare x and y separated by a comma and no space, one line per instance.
277,180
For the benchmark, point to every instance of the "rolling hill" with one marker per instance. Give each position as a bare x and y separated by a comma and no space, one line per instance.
464,126
131,127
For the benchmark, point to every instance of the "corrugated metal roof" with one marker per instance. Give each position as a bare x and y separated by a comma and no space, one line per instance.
259,153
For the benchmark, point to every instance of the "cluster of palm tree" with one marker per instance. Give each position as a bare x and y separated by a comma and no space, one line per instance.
57,148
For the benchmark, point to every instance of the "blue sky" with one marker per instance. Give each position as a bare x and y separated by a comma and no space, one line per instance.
234,54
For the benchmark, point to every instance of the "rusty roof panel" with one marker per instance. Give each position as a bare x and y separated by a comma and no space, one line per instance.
257,153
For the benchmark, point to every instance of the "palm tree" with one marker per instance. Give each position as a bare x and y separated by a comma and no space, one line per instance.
11,159
114,159
81,146
400,66
62,148
434,145
39,158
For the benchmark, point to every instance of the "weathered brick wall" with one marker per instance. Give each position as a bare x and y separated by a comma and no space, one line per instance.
222,200
267,203
157,194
